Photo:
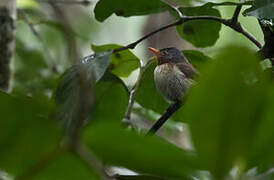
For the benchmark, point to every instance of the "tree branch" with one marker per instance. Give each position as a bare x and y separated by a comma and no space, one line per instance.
67,2
133,92
170,110
235,16
228,22
90,160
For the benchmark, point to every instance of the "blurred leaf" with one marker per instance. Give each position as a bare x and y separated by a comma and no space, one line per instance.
223,109
261,9
126,8
26,134
122,63
138,177
32,4
200,33
66,166
148,155
147,89
111,99
261,153
74,93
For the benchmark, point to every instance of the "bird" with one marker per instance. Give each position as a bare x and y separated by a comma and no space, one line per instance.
173,74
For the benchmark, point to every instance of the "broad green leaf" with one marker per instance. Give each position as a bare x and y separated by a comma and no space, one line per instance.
147,89
26,135
74,93
261,153
148,155
122,63
126,8
261,9
111,99
65,166
200,33
32,4
223,109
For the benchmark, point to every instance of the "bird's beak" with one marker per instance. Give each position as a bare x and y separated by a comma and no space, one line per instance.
156,52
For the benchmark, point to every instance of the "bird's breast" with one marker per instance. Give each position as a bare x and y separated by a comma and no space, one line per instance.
170,81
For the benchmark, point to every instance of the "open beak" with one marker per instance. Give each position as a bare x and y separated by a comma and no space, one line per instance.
156,52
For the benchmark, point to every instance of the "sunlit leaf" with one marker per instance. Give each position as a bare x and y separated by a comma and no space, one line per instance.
122,63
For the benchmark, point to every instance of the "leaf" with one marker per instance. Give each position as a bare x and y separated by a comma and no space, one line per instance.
148,155
147,89
261,153
261,9
126,8
26,134
200,33
111,99
223,108
122,63
66,166
74,93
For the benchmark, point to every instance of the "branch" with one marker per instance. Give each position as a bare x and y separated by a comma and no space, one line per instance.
235,16
134,90
228,22
170,110
67,2
91,161
42,163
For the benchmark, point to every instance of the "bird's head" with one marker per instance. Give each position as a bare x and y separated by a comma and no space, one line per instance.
168,55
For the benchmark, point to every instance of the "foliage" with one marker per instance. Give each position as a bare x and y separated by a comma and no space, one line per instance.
65,123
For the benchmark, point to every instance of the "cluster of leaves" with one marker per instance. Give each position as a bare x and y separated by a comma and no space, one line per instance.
229,111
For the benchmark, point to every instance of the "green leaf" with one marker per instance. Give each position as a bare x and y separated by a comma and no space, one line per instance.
74,93
66,166
200,33
261,153
126,8
149,155
147,89
26,135
223,109
261,9
111,99
122,63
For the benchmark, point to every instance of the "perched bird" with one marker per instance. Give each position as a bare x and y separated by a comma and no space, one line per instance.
173,74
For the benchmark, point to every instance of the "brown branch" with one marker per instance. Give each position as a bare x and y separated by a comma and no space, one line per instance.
235,16
66,2
91,161
228,22
169,112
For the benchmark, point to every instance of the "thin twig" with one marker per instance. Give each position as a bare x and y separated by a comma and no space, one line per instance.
170,110
91,161
228,22
67,2
42,163
133,92
51,65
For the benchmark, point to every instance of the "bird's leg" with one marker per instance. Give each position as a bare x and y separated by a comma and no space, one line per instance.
170,110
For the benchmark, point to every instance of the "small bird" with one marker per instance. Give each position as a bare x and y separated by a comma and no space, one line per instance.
173,74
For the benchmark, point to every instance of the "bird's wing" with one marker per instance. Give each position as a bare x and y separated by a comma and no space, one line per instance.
187,69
